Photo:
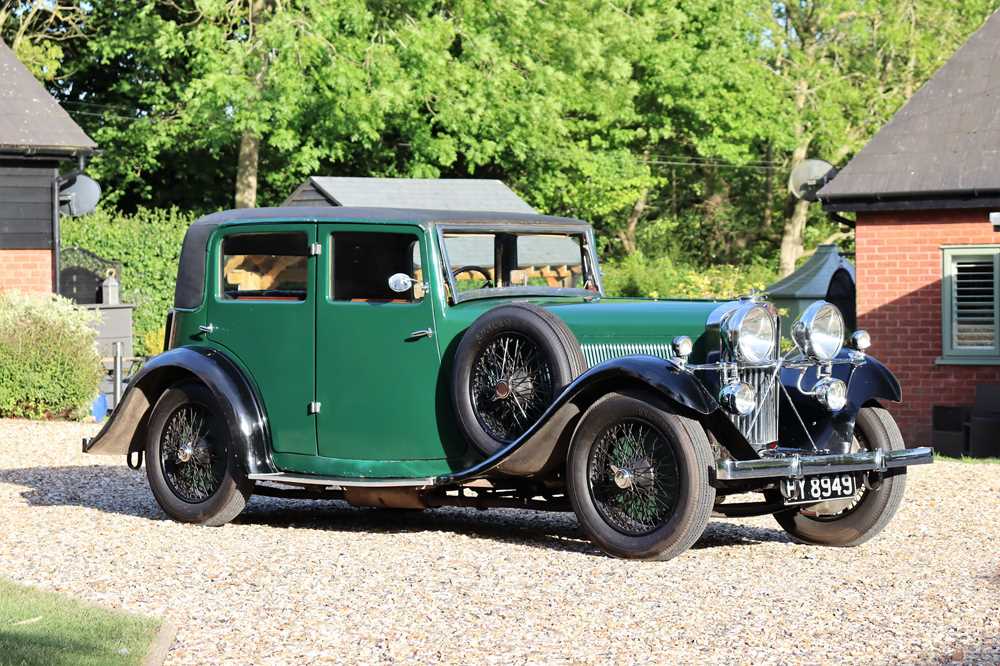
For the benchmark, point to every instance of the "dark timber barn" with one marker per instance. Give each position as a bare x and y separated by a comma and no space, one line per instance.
36,136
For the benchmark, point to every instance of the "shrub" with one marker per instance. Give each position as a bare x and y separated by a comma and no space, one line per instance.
49,364
638,276
148,245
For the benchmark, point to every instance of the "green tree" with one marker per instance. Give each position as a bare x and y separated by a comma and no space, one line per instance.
847,66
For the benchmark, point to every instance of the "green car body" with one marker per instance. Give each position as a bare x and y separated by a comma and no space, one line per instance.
318,391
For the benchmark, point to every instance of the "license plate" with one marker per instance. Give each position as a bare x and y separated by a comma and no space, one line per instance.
820,488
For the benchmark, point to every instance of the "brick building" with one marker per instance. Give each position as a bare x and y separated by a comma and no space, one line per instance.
36,137
928,257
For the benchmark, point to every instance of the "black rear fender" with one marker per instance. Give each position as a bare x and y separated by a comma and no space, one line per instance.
235,396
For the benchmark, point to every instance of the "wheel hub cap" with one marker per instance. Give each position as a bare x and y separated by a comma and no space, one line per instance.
185,452
503,389
624,478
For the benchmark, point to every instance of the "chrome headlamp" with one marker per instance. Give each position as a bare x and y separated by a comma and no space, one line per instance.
819,332
749,333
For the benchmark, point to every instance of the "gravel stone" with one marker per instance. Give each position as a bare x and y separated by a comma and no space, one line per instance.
322,582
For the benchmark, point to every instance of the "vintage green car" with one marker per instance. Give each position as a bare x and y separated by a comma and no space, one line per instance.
417,359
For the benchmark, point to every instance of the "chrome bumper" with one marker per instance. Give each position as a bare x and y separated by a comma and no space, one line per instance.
799,466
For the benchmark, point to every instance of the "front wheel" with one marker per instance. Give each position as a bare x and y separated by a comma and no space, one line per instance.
638,479
852,522
189,463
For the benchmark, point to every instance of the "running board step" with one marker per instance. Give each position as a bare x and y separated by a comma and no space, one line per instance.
311,480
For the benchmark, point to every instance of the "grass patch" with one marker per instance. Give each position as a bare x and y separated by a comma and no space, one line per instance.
45,628
967,459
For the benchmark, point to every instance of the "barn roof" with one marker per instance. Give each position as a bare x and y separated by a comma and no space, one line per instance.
942,149
463,194
31,120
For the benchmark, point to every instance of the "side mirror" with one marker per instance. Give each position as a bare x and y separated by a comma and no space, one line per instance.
400,282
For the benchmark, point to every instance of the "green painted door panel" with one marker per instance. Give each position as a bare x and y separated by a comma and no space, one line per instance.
273,339
377,383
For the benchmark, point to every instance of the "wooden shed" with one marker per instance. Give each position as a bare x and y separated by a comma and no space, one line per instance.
36,137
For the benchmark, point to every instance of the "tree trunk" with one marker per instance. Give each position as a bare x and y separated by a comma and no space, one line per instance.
246,171
791,237
628,235
795,218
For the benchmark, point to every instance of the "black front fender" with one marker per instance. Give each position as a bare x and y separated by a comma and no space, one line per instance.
819,429
237,400
541,447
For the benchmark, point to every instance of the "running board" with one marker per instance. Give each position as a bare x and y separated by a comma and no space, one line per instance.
328,481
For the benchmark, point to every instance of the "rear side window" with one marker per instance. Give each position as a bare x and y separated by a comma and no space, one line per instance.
363,262
265,267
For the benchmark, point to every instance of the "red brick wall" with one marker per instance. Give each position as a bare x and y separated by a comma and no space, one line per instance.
899,302
26,270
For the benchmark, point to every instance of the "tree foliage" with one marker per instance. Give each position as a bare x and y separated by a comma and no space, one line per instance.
671,125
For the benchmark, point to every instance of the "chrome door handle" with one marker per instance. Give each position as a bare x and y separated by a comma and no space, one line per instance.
422,333
208,329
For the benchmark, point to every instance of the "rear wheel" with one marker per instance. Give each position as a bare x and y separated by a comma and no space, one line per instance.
637,477
852,522
189,463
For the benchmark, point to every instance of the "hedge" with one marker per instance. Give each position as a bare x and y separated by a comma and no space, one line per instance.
639,276
49,366
147,244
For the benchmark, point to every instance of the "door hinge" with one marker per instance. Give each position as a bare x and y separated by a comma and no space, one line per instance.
315,249
313,407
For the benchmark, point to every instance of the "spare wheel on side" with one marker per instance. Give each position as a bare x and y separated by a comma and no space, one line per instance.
509,367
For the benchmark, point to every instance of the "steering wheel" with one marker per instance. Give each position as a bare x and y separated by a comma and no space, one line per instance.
474,269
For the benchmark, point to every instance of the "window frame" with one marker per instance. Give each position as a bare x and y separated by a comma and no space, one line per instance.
949,354
220,278
328,241
587,247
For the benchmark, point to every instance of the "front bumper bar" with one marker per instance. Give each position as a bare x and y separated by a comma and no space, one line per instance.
798,466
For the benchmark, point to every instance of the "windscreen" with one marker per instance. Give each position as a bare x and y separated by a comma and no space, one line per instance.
483,263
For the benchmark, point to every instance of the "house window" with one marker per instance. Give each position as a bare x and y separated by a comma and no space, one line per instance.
970,299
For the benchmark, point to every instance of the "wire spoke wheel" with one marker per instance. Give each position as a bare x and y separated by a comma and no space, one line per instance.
191,456
633,476
511,385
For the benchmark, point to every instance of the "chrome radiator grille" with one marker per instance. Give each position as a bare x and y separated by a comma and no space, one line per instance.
760,427
605,351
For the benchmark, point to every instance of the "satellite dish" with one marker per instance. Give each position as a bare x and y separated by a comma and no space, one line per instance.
79,196
808,177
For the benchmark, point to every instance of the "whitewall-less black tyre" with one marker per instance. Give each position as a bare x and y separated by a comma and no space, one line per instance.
638,478
189,459
509,367
851,523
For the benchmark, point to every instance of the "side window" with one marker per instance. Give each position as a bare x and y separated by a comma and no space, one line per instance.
362,262
265,267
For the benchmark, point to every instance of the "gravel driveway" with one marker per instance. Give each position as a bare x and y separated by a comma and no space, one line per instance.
323,582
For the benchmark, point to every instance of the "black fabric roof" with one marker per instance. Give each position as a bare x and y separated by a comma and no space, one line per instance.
31,121
942,147
188,292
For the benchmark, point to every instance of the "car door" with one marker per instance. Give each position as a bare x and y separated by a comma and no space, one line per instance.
263,312
377,354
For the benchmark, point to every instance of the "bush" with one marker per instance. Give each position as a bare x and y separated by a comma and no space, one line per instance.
637,276
148,245
49,364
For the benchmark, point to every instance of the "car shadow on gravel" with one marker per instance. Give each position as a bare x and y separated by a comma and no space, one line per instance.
120,490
